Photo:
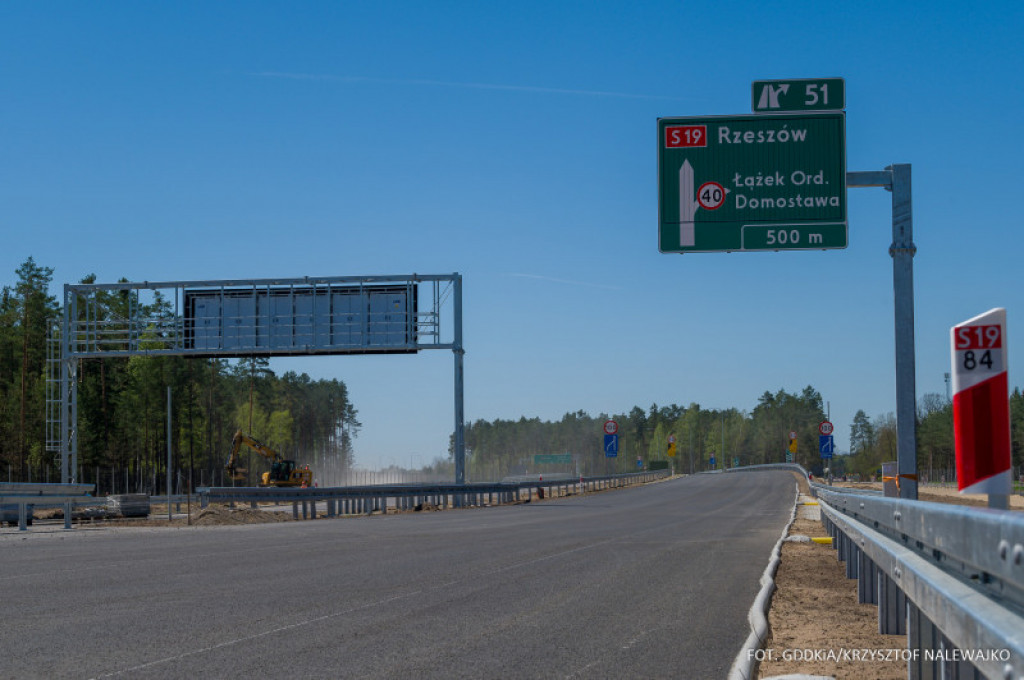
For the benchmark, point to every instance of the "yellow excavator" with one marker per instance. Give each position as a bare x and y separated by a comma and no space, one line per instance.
282,472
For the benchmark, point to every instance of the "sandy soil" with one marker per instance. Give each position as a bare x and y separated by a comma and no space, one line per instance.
815,613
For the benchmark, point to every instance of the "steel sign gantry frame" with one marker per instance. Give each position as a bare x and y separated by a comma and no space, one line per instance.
896,179
277,317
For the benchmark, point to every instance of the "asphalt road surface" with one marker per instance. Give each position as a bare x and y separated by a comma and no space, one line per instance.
646,582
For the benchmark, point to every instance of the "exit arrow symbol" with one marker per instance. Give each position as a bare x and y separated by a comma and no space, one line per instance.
687,205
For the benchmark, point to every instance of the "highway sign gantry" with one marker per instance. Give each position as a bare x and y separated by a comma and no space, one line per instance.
752,182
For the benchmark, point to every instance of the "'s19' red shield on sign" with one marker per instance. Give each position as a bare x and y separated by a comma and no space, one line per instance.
686,136
981,404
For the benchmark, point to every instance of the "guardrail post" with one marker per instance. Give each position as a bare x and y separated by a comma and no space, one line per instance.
951,667
295,509
921,635
852,559
867,580
67,514
892,607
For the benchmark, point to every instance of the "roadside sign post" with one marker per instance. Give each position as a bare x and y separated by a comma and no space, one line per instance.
981,407
897,180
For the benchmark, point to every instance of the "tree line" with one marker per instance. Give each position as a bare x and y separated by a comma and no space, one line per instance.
122,419
122,405
873,440
728,437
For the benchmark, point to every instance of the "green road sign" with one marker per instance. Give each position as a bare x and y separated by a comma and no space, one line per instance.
757,182
802,94
540,458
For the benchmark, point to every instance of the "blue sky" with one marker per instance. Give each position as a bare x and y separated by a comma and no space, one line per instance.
514,143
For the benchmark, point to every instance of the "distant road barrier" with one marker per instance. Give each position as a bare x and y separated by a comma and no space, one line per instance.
351,500
949,577
41,495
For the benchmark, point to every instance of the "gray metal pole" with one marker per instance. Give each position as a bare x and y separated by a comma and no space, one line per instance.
896,178
73,425
65,442
168,453
902,252
458,351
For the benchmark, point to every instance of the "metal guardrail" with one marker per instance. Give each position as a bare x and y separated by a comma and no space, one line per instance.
955,627
792,467
950,577
366,499
42,495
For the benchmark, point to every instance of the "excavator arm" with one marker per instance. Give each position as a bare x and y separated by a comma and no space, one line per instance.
282,472
259,447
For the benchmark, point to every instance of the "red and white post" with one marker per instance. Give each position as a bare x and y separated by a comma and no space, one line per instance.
981,407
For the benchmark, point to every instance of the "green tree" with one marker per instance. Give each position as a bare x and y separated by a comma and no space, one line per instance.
935,448
30,309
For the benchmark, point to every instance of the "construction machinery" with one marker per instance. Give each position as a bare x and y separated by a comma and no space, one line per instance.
282,472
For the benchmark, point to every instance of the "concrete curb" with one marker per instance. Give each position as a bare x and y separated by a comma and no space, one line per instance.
744,666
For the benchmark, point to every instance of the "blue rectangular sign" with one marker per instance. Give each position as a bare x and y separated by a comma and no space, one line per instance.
611,445
826,445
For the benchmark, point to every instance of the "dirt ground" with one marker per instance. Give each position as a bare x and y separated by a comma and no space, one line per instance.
213,515
817,626
815,618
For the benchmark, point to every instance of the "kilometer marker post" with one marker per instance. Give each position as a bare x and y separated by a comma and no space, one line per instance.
981,407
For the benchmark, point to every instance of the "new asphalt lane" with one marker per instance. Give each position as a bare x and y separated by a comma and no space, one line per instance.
644,582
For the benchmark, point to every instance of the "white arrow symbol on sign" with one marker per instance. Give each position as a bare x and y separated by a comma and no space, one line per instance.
687,205
770,96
